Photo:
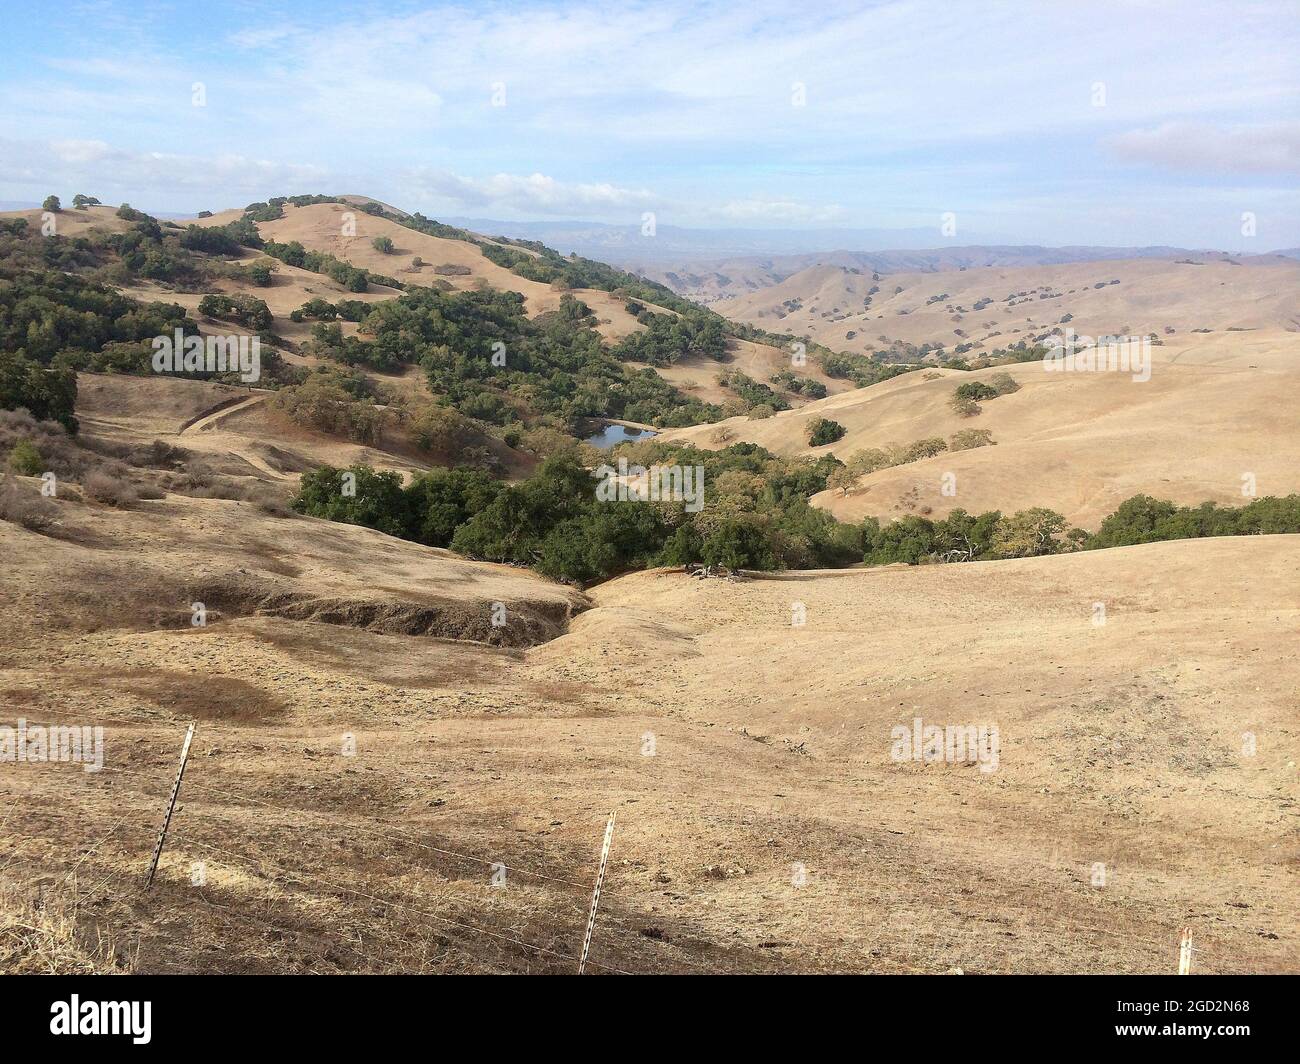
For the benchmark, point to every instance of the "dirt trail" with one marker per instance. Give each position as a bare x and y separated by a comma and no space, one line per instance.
202,422
212,418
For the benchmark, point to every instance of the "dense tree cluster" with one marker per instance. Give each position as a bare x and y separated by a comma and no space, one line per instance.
43,313
492,362
350,277
244,310
333,401
47,394
805,386
967,397
317,309
668,338
1143,519
962,537
860,369
751,392
756,514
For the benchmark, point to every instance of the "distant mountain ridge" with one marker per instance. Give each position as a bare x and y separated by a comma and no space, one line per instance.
708,265
710,282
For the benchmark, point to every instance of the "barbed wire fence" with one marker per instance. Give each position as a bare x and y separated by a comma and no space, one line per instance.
1181,949
161,803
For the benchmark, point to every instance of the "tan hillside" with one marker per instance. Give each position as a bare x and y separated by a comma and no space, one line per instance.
770,830
1216,407
72,223
320,226
699,376
374,746
1152,296
289,289
239,423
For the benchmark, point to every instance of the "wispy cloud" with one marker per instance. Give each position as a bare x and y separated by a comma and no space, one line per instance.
861,112
1195,147
100,169
532,193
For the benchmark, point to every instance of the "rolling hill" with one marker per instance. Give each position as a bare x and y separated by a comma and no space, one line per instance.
763,823
988,308
1215,408
386,728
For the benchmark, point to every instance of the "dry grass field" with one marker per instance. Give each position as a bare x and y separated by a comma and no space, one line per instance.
1216,407
321,227
1146,296
762,824
386,778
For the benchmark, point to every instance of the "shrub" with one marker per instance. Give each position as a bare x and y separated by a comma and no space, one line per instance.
969,439
260,274
110,490
323,402
23,507
26,460
976,390
1003,384
383,244
59,451
823,431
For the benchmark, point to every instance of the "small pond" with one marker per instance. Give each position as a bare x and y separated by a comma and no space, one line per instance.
611,434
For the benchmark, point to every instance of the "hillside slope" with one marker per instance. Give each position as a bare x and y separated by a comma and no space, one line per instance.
1152,296
762,822
1216,407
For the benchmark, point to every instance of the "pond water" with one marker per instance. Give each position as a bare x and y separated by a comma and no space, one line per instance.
615,434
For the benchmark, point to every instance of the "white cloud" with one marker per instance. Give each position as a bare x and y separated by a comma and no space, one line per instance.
103,168
535,193
1245,149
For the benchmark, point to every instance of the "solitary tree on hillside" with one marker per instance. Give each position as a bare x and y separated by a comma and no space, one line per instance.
823,431
51,204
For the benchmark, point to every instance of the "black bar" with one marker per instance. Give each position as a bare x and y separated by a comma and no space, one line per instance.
982,1013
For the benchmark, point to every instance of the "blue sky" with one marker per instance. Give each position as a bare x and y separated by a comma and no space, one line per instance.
1149,121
